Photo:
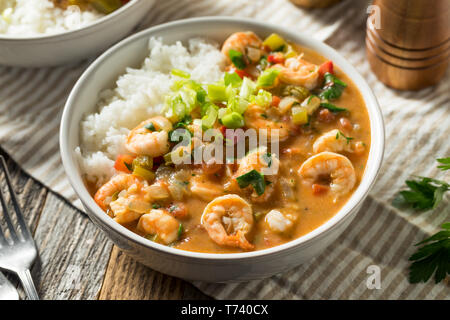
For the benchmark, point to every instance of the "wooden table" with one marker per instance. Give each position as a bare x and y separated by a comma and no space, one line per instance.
76,260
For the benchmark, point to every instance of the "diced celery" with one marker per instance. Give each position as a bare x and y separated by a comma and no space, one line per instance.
233,120
145,162
311,104
267,78
290,52
274,42
217,92
106,6
180,73
238,104
299,115
144,173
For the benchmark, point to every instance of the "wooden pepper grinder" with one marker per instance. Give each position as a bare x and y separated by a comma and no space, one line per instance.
408,44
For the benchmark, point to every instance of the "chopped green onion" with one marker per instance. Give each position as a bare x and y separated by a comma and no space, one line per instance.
267,78
233,120
233,79
156,206
247,88
180,73
274,42
262,99
210,116
237,104
237,58
217,92
253,178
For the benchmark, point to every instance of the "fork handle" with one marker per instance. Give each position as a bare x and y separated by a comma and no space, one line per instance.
28,284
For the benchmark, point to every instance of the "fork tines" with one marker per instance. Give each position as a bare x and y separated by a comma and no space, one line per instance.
14,233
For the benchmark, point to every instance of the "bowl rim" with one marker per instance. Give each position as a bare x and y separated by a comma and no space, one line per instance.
75,32
369,177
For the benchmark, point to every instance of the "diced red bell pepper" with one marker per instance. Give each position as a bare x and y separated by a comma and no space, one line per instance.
326,67
319,189
242,74
122,161
277,57
275,101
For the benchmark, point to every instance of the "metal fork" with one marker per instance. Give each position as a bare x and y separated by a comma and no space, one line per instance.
18,252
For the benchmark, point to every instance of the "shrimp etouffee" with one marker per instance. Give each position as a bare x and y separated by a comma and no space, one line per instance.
312,144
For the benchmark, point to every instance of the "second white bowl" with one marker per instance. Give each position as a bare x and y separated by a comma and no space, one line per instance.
74,45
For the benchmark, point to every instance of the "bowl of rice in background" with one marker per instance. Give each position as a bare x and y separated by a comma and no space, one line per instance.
35,33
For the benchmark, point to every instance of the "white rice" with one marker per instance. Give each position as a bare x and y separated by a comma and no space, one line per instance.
139,95
23,18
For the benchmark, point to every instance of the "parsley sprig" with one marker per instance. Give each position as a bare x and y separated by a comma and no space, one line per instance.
424,193
433,257
445,163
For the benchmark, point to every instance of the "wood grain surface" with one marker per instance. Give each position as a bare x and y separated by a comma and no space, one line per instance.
76,260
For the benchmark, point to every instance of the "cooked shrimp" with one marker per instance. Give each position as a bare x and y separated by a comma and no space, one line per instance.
247,43
257,118
336,141
299,72
263,162
227,219
159,222
132,197
151,141
330,165
116,184
278,222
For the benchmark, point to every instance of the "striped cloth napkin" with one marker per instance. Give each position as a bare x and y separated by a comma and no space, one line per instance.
417,132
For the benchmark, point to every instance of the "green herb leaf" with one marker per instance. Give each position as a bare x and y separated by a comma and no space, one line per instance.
253,178
332,87
237,58
267,158
423,194
180,230
340,134
445,163
432,257
156,206
150,127
332,107
128,165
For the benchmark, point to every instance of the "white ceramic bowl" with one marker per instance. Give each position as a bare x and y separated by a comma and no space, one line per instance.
204,266
71,46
